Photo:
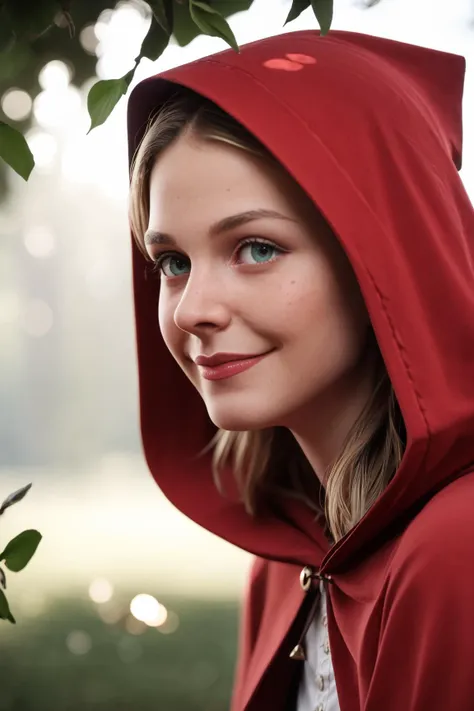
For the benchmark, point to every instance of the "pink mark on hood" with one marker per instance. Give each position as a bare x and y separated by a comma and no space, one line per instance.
293,62
302,58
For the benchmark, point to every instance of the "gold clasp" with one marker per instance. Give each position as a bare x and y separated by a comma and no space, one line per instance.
307,574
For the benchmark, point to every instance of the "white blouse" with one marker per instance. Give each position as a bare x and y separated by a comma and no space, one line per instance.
317,689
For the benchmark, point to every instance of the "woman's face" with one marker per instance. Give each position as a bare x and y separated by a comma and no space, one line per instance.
251,269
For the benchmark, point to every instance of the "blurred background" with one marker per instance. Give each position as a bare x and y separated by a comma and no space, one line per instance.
126,605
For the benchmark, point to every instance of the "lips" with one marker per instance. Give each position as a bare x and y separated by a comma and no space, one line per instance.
223,366
220,358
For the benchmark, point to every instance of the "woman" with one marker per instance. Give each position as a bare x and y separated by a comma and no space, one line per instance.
309,392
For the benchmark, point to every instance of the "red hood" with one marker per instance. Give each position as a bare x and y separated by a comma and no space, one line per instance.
372,132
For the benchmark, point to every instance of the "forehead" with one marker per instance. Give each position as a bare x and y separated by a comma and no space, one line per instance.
199,177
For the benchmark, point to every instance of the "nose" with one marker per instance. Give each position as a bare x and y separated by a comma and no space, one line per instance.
203,305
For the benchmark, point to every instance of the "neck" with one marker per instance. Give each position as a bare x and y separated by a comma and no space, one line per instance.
322,428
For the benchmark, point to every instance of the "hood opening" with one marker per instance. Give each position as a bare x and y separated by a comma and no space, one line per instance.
382,121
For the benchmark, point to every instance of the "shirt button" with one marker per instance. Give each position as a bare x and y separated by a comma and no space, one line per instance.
326,647
320,682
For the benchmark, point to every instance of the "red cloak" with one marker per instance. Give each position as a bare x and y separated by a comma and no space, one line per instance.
371,129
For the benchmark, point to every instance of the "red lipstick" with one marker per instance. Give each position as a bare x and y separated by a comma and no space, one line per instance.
225,365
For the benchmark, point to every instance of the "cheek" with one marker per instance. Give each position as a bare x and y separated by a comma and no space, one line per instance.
306,303
317,314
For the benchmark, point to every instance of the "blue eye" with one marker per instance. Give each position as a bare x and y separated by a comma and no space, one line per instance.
258,252
172,265
250,251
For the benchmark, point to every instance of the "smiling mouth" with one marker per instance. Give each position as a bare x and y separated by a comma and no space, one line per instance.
230,368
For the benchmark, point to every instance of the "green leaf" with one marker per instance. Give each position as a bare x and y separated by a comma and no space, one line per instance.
323,10
103,98
162,13
15,151
5,613
184,29
20,550
297,8
229,7
210,22
15,497
155,42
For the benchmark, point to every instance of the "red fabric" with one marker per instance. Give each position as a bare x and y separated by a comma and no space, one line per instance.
371,129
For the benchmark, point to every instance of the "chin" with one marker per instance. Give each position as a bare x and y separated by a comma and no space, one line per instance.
240,419
234,423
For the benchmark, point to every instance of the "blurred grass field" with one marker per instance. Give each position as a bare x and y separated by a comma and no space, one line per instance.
81,656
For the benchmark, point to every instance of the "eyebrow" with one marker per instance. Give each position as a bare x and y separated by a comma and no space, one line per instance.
224,225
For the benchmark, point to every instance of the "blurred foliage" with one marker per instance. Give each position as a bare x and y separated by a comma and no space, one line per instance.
22,60
190,669
33,33
17,553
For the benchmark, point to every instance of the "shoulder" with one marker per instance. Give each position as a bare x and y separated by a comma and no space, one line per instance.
271,574
425,644
438,545
269,583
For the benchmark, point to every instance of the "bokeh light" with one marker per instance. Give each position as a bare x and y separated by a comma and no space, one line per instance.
39,241
147,609
54,75
100,27
88,39
58,107
120,36
101,590
79,642
16,104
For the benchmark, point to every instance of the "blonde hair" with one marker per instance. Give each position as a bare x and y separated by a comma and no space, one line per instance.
269,463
